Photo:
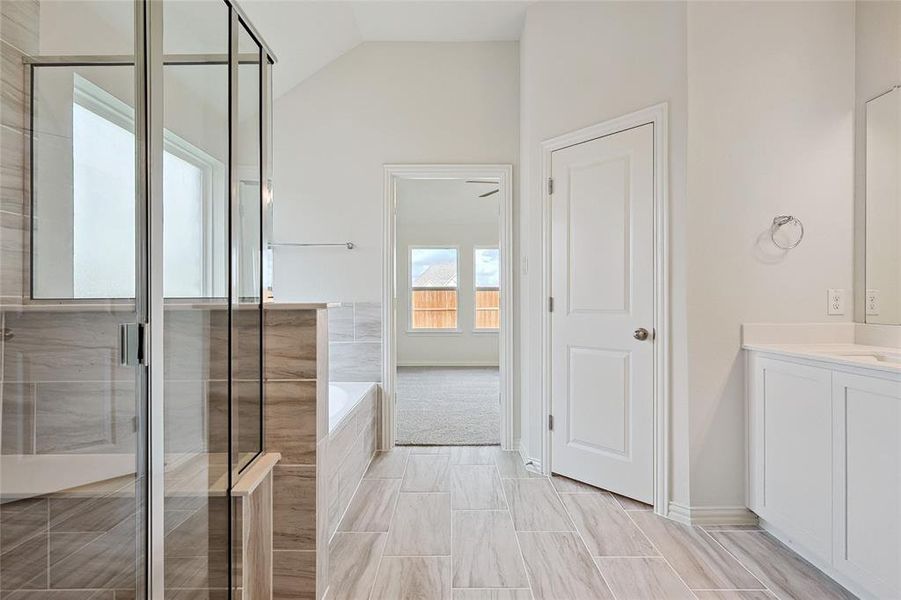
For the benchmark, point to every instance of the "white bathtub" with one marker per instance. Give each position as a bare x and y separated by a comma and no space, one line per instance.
342,398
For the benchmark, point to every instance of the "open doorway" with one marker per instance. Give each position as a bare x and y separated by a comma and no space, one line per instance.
447,280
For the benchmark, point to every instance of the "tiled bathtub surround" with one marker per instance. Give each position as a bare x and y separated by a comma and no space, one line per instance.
351,447
355,341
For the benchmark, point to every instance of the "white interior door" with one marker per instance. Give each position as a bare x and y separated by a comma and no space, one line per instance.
603,289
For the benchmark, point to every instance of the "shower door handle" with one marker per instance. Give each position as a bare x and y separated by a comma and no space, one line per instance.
133,344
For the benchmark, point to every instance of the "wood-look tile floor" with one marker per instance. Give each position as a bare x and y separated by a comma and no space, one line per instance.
472,523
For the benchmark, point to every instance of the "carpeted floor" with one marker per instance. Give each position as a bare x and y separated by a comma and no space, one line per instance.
448,406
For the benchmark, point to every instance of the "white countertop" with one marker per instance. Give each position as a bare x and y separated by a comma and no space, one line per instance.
879,358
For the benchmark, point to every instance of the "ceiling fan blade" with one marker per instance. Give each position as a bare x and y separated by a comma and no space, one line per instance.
491,193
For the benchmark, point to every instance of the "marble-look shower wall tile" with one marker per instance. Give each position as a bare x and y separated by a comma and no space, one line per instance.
12,87
186,416
19,24
355,361
12,171
64,346
85,417
13,249
341,323
18,418
196,343
246,325
368,321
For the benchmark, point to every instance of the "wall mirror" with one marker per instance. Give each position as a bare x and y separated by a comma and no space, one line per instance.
883,209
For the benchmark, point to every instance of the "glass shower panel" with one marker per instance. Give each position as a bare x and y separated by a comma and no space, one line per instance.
247,255
73,464
195,285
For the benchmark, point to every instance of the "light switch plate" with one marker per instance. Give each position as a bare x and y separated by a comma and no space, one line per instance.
835,302
872,302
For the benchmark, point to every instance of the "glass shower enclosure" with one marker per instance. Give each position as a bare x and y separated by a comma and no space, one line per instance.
135,171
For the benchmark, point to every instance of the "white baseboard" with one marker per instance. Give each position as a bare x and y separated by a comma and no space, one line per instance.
533,463
453,363
711,515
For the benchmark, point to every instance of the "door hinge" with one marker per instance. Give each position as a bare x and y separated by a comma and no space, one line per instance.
550,422
550,186
134,343
550,304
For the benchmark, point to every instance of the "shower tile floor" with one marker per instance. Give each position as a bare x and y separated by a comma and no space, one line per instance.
472,523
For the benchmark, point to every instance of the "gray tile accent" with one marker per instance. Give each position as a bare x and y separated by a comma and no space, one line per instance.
355,361
341,323
368,321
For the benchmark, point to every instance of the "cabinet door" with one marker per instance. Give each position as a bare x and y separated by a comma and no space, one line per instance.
868,482
791,415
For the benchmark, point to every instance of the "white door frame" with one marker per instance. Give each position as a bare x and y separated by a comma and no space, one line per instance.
657,115
393,173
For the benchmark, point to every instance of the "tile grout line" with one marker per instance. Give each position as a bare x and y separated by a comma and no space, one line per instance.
451,508
653,545
352,496
597,567
735,558
522,557
378,569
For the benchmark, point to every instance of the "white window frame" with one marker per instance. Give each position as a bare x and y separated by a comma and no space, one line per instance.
105,105
410,290
475,288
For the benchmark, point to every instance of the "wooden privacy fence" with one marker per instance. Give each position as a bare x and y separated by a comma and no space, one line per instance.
436,308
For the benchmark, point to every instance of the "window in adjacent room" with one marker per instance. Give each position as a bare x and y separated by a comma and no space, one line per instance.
487,288
433,288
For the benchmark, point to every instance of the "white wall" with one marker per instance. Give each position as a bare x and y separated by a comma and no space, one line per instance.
581,64
761,106
379,103
445,213
771,100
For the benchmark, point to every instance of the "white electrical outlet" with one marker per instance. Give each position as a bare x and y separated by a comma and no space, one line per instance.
872,302
836,302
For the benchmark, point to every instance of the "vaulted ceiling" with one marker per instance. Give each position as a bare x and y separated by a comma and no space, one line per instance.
308,35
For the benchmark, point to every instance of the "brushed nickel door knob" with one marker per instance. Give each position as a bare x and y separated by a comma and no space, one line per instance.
641,334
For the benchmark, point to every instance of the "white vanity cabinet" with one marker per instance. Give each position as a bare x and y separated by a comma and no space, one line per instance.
824,465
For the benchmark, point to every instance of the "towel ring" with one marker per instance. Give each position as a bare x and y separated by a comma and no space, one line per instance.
780,222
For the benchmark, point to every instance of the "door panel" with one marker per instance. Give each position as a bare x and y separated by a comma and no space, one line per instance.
598,228
598,427
603,281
